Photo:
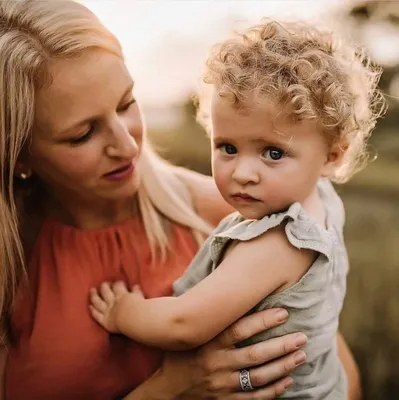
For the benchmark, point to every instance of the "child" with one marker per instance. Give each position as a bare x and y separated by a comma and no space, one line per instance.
290,109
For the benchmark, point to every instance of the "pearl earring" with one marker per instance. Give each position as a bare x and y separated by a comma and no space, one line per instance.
24,176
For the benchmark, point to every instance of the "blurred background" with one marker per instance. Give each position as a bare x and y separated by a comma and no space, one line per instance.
165,43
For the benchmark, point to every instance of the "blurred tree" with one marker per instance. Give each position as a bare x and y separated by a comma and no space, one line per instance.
375,24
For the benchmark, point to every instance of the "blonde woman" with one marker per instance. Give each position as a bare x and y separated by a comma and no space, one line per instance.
83,200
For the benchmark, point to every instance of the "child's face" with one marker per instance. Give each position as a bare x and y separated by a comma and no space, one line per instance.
262,162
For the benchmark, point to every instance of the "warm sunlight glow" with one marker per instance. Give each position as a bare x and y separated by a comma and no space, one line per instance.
165,42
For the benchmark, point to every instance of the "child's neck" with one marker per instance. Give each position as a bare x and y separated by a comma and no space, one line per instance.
315,207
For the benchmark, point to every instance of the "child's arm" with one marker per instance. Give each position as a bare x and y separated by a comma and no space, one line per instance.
250,271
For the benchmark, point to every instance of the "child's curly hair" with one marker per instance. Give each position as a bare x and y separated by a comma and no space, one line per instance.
308,70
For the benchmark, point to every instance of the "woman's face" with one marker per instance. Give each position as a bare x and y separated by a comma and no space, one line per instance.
88,132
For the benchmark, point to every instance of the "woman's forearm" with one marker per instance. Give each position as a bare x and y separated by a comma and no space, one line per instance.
212,370
154,388
351,369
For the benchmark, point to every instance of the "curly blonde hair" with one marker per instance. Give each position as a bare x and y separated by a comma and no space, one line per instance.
309,71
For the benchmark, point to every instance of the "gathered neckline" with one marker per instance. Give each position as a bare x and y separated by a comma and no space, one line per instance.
118,226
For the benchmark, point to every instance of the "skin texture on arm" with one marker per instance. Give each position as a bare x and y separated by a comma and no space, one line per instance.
197,316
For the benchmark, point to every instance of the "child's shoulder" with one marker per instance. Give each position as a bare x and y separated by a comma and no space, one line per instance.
228,222
236,227
293,224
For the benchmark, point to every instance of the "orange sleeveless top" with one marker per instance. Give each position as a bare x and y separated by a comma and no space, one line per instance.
57,351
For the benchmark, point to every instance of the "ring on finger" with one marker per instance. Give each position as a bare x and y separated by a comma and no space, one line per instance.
245,381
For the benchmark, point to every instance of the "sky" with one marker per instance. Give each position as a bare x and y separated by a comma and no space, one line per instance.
165,42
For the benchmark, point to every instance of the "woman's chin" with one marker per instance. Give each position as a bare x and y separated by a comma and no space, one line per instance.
123,191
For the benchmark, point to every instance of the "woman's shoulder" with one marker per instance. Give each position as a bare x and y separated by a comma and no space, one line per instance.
208,202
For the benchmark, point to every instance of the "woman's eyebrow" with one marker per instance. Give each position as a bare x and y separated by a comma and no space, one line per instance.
87,120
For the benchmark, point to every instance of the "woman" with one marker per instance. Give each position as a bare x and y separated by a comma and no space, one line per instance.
83,200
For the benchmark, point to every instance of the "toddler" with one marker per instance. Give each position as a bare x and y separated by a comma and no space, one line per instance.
290,110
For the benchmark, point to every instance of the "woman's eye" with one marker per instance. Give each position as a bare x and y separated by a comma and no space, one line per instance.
82,138
228,149
273,153
127,105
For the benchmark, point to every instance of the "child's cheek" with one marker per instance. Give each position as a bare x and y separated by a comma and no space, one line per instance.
222,176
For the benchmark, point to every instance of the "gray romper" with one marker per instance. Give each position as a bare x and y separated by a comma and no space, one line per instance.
314,302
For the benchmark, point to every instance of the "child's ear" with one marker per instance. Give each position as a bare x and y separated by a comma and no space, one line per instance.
334,158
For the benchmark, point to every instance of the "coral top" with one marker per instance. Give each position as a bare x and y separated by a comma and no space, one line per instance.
57,351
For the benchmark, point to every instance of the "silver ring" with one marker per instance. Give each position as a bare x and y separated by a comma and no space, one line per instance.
245,381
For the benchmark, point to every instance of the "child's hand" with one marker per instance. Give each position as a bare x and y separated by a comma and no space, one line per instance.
105,302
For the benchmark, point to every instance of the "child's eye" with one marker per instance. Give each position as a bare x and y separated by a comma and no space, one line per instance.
273,153
228,149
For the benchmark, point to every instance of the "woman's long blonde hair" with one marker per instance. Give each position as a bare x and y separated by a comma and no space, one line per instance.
32,33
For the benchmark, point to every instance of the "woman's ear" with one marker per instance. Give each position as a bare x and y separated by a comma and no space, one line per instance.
334,158
22,170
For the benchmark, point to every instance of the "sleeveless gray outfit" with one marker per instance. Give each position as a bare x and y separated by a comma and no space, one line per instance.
314,302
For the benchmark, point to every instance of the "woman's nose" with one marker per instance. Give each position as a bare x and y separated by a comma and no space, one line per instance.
123,144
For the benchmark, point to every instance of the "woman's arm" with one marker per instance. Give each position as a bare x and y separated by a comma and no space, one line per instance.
208,201
351,369
249,272
211,372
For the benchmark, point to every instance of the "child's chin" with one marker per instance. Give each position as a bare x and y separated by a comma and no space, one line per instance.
252,214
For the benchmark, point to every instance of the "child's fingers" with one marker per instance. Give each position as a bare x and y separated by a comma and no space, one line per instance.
98,316
96,301
106,292
119,288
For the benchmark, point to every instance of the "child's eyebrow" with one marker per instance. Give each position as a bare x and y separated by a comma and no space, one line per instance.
281,139
221,139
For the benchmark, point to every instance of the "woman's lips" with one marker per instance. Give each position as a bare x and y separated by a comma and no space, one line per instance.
120,173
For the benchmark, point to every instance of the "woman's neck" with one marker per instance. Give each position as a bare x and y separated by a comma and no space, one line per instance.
89,215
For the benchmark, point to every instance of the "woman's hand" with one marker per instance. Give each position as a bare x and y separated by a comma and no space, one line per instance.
212,371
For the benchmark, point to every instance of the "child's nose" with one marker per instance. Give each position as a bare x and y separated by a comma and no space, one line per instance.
245,173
